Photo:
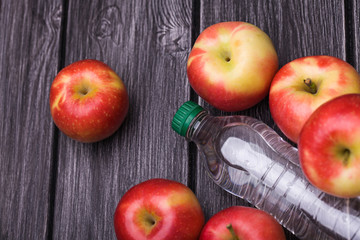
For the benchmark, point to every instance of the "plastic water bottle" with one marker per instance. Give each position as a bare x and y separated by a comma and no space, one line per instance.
250,160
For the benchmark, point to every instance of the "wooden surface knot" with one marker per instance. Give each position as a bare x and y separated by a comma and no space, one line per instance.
106,24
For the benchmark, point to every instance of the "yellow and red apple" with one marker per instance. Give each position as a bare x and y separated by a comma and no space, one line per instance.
158,209
231,65
88,101
242,223
304,84
329,147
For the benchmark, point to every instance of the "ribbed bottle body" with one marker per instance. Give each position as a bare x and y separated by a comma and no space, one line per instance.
248,159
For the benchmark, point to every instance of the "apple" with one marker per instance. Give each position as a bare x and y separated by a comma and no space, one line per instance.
242,223
329,147
88,101
303,84
231,65
158,209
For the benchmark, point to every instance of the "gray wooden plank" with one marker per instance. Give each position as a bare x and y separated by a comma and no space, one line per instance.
354,22
297,28
29,46
146,43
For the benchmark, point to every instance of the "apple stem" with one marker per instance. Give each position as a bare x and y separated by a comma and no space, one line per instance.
311,85
233,234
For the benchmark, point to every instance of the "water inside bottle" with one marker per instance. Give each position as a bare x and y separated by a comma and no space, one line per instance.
275,183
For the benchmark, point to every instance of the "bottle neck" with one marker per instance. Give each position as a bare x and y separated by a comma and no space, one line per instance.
196,125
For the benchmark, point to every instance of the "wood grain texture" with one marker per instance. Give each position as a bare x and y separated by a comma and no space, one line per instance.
29,46
297,28
354,31
146,43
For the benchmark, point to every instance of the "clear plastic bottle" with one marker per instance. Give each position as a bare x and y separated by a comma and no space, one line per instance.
250,160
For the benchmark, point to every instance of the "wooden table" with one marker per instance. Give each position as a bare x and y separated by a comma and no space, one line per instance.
52,187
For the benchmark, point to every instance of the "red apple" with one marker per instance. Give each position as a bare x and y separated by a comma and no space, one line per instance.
231,65
88,101
302,85
158,209
329,147
242,223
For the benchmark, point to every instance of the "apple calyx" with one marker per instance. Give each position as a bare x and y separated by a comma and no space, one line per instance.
233,234
147,220
312,88
226,55
346,155
84,91
150,220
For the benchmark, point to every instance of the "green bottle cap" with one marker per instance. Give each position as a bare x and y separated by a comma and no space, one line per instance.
183,117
